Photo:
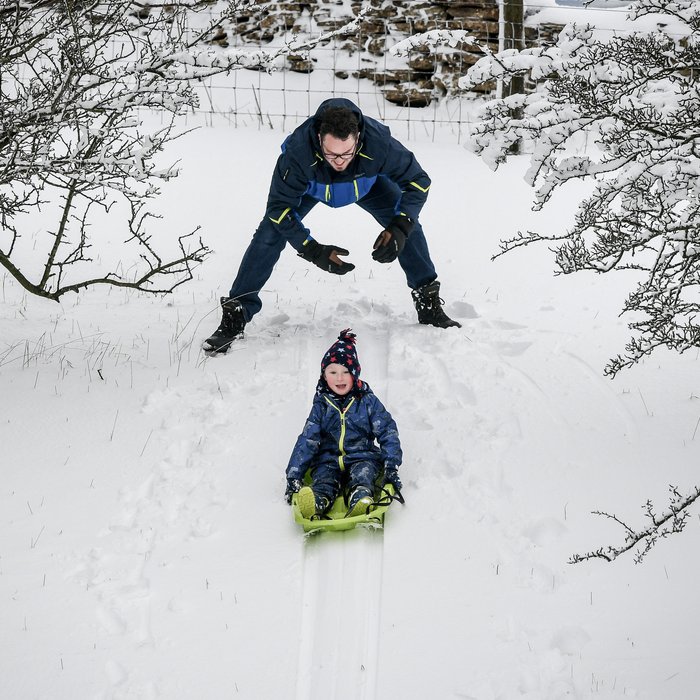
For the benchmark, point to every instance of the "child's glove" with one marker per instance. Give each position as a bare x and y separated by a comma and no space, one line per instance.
326,257
391,476
293,485
391,241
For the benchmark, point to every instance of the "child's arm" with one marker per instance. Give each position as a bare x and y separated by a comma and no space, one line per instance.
307,444
386,433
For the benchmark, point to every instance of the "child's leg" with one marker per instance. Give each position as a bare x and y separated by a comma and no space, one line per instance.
325,482
363,474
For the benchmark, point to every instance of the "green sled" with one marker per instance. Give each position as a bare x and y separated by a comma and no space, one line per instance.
335,519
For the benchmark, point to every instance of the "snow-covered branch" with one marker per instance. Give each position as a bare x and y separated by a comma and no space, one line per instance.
633,100
434,38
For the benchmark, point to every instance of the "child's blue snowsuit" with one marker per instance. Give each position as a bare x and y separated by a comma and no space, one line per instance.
338,443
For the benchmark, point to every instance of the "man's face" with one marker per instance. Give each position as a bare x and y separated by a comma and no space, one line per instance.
339,152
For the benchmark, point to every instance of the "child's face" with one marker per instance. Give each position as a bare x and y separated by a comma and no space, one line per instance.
338,379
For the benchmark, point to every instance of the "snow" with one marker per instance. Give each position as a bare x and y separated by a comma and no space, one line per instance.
146,550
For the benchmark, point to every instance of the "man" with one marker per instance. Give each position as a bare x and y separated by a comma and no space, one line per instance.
338,157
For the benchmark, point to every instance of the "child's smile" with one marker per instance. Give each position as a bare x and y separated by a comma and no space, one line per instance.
338,378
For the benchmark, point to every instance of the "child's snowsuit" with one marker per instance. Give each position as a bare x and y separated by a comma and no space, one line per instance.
339,440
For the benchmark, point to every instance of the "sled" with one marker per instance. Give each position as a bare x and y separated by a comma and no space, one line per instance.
335,518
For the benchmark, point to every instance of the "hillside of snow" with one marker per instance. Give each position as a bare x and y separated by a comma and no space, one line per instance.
146,550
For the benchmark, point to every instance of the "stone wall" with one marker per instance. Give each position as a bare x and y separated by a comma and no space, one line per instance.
427,73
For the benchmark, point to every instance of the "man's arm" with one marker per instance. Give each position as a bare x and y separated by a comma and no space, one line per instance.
289,184
402,168
287,188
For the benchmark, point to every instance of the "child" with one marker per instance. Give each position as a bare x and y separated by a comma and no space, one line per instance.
338,440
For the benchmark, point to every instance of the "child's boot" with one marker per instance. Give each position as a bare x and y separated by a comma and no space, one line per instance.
359,501
311,504
306,500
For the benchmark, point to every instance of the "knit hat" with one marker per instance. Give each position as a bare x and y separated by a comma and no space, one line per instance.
343,352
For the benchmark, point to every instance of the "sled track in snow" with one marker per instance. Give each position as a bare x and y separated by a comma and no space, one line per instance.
339,642
342,585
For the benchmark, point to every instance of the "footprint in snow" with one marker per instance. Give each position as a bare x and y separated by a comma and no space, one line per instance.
570,640
462,309
115,672
544,531
111,622
512,349
508,325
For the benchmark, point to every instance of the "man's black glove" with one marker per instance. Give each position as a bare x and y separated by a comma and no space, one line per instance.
293,485
391,476
392,239
326,257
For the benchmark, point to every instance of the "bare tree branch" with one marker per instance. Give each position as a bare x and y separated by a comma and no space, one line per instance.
671,521
77,77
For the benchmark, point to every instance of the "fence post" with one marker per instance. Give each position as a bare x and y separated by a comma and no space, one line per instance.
513,38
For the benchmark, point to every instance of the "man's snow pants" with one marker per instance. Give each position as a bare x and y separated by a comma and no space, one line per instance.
267,244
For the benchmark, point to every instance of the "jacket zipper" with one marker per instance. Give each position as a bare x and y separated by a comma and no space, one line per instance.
341,440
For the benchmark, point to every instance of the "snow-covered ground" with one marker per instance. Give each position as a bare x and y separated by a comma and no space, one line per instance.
146,550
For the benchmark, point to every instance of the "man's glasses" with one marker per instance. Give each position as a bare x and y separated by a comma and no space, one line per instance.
340,156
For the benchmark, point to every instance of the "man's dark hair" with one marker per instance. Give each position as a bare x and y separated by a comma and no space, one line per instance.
339,122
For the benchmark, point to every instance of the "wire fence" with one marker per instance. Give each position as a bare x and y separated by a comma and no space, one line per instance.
389,88
284,99
287,96
386,87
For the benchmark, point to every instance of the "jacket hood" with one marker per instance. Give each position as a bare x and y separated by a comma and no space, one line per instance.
339,102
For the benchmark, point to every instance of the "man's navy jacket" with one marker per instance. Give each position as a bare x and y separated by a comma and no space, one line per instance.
302,170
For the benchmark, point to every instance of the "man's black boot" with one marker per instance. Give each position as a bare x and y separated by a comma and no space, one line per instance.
429,306
231,327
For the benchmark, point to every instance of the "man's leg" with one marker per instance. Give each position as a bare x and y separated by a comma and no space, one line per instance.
256,266
415,260
243,301
258,262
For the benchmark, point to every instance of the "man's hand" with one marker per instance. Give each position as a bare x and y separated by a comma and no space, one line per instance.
392,239
388,246
326,257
